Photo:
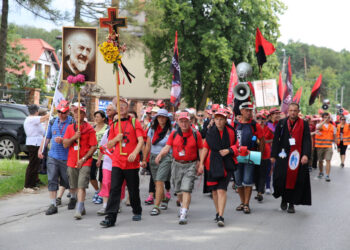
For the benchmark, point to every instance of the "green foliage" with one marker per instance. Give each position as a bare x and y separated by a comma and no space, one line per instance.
12,175
334,67
211,35
15,59
32,32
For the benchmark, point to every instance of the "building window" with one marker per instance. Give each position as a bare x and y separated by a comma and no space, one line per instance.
37,67
47,71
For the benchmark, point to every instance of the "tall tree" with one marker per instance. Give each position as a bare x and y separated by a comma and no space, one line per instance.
3,39
211,35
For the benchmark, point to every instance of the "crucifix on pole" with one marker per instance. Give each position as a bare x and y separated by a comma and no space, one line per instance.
113,23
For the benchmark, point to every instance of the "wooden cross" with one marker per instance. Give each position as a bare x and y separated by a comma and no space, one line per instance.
113,22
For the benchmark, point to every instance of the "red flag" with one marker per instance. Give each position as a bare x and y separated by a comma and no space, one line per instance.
232,85
263,48
280,88
315,90
297,96
288,90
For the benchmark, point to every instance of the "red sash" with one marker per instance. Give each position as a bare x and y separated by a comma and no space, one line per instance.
294,158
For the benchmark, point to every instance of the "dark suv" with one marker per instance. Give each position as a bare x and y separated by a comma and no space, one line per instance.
12,116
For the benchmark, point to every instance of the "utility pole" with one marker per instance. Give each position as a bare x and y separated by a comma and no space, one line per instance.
341,96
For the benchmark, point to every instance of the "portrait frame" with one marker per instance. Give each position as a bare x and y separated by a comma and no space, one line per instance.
69,36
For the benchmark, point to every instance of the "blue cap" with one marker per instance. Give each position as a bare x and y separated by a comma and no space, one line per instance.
162,112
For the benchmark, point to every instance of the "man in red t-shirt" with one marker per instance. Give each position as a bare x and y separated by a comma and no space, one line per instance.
79,170
125,165
186,150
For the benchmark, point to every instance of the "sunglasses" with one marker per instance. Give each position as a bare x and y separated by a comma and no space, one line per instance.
200,115
342,119
62,112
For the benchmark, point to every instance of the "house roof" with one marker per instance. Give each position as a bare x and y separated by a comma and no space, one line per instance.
34,48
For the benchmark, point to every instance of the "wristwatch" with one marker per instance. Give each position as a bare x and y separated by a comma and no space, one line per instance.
84,159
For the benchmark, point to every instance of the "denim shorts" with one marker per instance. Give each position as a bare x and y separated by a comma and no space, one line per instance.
244,175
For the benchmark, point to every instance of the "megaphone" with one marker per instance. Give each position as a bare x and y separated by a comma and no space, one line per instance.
254,157
325,105
241,91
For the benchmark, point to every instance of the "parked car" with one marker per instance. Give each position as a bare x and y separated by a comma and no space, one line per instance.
12,116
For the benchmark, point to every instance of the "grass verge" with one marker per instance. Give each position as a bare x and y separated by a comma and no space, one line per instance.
12,175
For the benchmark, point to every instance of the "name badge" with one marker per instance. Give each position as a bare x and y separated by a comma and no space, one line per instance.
182,153
123,144
76,148
292,141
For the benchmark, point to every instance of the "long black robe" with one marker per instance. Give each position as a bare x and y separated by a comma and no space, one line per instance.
301,194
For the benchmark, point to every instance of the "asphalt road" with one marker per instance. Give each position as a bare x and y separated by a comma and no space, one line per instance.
324,225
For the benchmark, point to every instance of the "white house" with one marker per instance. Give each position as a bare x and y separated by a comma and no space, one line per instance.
45,60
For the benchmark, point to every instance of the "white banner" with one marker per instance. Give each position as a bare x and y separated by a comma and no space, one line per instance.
265,93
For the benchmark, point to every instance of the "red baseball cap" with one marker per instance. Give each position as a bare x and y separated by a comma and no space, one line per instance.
148,109
184,115
160,103
63,106
82,107
215,107
222,112
274,111
151,102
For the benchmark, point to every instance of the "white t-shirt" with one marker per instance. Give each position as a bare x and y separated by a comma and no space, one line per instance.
107,161
34,130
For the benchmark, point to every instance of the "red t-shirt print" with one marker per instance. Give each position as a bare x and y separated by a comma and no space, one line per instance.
129,142
87,140
190,148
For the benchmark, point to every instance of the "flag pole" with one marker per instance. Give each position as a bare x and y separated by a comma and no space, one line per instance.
262,85
78,123
118,110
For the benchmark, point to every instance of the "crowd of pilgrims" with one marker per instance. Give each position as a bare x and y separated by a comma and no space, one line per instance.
176,149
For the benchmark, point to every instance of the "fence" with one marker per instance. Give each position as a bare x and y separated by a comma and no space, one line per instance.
19,96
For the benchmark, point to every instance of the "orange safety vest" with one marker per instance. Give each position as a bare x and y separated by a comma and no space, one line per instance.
326,138
346,134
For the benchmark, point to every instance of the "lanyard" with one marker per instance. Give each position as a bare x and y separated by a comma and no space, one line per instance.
63,126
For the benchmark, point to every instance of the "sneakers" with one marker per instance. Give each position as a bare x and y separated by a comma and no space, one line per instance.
94,198
149,200
291,209
107,222
98,200
216,217
136,217
268,191
327,178
167,196
320,175
69,195
221,222
259,197
72,203
51,210
102,211
183,219
78,215
58,201
29,190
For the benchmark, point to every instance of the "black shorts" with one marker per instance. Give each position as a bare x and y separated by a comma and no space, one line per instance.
93,172
342,148
222,183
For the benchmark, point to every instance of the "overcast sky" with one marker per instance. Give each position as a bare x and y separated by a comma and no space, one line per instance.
318,22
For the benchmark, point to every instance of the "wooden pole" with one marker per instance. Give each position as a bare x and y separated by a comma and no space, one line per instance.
78,123
262,85
118,110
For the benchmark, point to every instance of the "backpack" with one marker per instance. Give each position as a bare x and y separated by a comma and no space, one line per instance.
21,135
194,132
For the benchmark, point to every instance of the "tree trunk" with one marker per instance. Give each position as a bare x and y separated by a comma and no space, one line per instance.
3,40
204,96
77,17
